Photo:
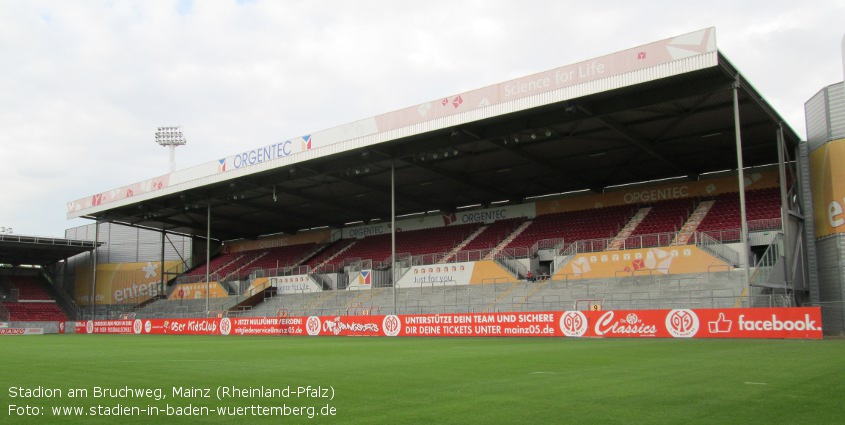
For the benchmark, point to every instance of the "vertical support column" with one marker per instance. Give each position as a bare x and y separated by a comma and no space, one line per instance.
745,260
207,257
393,229
65,286
784,207
161,268
172,162
93,296
802,157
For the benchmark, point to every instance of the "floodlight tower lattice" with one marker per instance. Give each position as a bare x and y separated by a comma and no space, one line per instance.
171,136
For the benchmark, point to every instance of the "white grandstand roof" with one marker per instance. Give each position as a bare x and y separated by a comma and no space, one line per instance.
656,111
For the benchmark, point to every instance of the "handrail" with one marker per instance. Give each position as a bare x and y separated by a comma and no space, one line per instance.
765,265
322,280
713,246
564,254
257,272
734,234
214,277
69,302
325,269
507,260
765,224
554,243
245,296
180,269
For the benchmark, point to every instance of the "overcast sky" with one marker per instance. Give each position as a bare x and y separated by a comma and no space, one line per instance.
84,84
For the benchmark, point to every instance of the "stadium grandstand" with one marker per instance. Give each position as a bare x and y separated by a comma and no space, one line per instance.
30,269
651,178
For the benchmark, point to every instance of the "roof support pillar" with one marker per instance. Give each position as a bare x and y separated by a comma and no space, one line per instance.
207,257
784,208
93,295
744,259
161,267
393,229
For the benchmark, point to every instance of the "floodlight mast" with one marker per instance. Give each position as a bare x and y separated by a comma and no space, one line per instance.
171,136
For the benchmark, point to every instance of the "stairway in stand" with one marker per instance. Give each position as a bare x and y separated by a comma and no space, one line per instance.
692,223
246,264
619,240
341,251
461,246
507,240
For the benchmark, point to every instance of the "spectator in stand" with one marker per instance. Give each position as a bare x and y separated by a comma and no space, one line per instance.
529,276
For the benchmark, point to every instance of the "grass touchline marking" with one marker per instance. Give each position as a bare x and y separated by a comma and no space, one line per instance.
99,362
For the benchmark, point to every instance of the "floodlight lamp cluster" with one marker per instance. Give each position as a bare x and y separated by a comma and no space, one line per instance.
533,135
439,154
170,136
358,171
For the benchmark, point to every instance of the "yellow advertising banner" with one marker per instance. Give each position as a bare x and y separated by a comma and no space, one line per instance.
256,284
196,291
122,283
488,271
828,182
633,262
678,190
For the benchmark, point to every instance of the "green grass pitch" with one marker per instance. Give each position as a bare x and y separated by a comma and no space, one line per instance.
424,380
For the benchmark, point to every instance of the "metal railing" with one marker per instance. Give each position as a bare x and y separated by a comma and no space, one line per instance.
555,244
46,240
470,256
214,277
765,265
69,303
427,259
566,253
713,246
544,303
257,273
591,245
657,288
720,289
325,269
711,241
765,224
724,235
508,258
251,292
653,240
735,235
178,269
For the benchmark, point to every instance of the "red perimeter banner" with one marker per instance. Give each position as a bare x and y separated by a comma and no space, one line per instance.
21,331
790,323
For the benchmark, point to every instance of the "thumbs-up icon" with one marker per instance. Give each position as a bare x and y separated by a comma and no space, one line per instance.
721,325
